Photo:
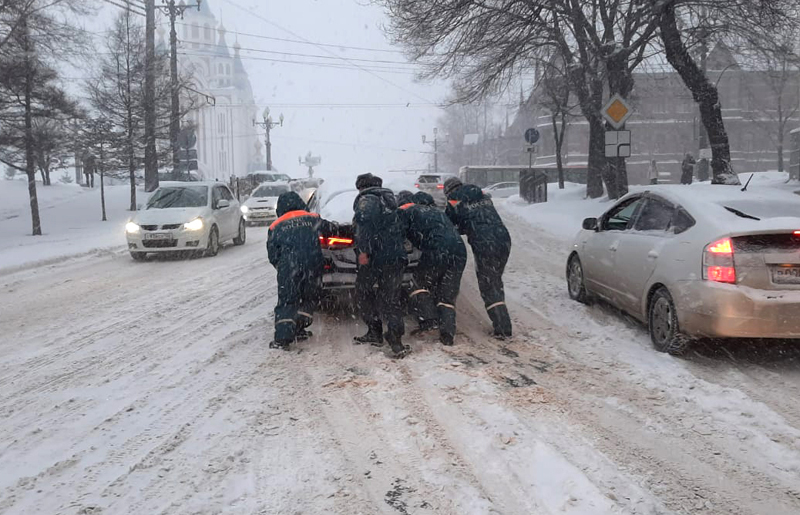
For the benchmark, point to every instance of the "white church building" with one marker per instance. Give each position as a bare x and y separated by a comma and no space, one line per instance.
227,142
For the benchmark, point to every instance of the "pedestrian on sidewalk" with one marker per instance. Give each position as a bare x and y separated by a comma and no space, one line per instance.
687,169
652,172
473,213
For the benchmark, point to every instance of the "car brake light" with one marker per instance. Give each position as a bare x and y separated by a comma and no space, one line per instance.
797,233
416,185
440,186
718,265
334,241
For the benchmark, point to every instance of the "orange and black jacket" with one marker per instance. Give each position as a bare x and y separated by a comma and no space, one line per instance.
429,229
293,240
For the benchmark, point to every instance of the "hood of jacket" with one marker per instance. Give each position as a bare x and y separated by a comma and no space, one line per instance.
469,193
423,199
386,195
290,201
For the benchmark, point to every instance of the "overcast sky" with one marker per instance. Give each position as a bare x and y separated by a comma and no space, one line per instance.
353,139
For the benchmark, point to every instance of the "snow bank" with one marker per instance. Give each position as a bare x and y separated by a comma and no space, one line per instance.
71,222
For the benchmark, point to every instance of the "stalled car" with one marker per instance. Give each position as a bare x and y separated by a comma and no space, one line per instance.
695,262
339,276
180,216
260,207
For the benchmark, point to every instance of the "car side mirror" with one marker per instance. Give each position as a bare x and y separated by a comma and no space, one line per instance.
222,204
590,224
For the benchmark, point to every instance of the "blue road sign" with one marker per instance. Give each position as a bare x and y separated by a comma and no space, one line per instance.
531,136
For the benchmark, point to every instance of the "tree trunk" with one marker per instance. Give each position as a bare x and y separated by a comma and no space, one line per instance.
30,157
620,82
704,93
597,161
558,136
780,153
102,195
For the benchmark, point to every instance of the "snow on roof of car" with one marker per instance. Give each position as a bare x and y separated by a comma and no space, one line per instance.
758,208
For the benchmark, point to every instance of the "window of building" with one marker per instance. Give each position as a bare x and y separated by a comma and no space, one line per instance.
219,68
195,32
227,69
207,32
221,123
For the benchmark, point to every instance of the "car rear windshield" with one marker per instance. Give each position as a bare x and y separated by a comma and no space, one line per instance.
270,191
175,197
759,210
428,179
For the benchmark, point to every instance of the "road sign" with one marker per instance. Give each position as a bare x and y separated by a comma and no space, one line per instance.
618,143
531,136
616,111
532,149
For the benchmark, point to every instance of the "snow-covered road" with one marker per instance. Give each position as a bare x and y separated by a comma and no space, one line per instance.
148,388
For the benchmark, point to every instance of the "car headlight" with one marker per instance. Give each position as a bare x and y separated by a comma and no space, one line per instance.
244,209
131,228
194,225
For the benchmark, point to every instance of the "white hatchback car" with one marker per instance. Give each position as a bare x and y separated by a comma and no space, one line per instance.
502,189
694,262
181,216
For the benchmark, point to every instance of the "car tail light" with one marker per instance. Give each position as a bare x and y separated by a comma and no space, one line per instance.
335,242
718,265
440,186
797,233
416,185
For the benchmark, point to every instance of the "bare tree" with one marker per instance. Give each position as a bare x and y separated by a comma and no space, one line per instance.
28,91
554,95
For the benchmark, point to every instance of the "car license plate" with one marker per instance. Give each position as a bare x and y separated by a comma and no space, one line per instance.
157,236
786,274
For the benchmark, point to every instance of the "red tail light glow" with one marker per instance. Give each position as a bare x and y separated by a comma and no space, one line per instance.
440,186
718,265
416,185
797,233
334,241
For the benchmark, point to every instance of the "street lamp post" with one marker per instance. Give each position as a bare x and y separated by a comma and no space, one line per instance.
268,124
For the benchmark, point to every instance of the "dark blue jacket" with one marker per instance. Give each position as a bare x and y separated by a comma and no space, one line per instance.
429,229
377,227
474,215
293,239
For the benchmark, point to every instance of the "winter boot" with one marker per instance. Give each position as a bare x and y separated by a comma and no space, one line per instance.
274,344
425,326
373,337
399,351
446,339
500,321
303,334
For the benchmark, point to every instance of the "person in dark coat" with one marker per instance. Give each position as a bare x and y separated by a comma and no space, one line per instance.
687,169
438,273
380,245
293,249
474,214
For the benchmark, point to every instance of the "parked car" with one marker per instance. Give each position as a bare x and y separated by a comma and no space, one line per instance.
433,185
695,262
181,216
260,207
339,278
502,189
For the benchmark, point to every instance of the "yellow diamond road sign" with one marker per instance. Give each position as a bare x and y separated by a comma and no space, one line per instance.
616,111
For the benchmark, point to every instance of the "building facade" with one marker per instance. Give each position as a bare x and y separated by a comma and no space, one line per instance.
666,124
227,141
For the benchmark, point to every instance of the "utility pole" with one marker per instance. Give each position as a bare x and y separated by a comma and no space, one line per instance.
435,144
173,11
150,157
268,125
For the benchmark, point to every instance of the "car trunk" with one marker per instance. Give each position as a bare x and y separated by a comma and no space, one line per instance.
767,261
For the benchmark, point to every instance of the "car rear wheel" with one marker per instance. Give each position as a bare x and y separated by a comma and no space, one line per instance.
139,256
242,237
213,242
663,325
575,281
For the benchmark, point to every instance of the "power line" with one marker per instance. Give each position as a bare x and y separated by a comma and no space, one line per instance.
129,7
316,56
338,66
306,42
324,49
